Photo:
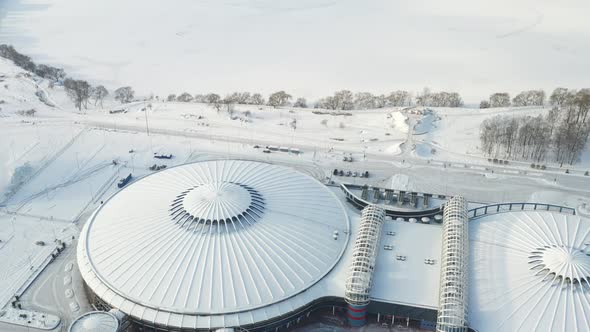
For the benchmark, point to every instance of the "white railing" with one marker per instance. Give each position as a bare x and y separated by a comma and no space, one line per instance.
452,307
360,274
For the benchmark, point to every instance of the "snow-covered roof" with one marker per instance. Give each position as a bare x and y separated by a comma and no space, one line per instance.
95,321
530,271
407,270
217,238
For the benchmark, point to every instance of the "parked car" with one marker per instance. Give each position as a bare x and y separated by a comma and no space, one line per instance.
163,156
124,181
156,167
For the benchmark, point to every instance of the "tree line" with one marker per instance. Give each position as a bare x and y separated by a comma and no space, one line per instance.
525,98
81,92
561,134
340,100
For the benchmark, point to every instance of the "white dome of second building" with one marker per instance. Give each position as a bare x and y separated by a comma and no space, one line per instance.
530,271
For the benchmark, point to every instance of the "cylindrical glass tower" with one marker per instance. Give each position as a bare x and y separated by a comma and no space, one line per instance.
360,274
452,307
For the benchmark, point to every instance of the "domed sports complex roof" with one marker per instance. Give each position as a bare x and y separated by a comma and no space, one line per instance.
213,244
530,271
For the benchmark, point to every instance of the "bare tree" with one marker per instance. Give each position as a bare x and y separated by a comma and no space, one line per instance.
199,98
552,118
439,99
214,100
229,101
399,98
424,98
78,91
529,98
256,99
380,101
328,103
500,99
185,98
559,97
344,100
484,104
240,97
454,100
574,129
341,100
124,94
99,94
364,100
279,98
301,103
51,73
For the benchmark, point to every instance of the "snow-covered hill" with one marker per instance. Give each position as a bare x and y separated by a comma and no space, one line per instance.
442,134
21,90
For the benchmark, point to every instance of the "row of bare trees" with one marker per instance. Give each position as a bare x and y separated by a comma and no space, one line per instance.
523,137
525,98
573,125
347,100
562,134
237,97
277,99
439,99
81,92
341,100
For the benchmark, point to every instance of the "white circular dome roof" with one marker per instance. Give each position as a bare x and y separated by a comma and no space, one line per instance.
95,321
213,237
530,271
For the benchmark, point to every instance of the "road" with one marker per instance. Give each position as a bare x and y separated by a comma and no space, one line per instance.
481,181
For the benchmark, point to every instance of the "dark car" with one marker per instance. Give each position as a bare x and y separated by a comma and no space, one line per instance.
124,181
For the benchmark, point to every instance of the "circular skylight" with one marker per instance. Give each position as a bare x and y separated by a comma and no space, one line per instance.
217,202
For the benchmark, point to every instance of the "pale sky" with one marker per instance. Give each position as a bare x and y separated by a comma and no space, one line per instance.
309,47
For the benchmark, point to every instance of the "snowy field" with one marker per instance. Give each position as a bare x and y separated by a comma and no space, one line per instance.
309,48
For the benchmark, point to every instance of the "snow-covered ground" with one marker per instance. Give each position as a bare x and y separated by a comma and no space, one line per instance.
309,48
58,165
25,248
